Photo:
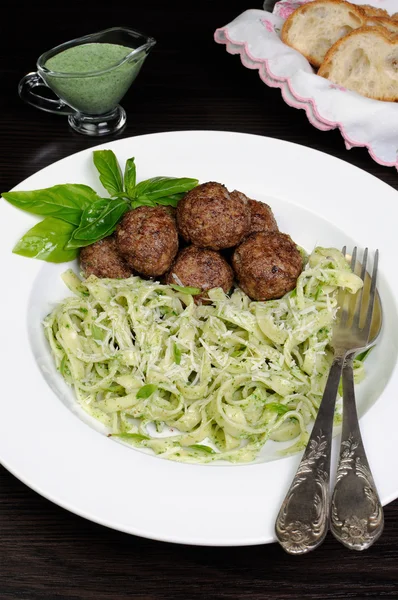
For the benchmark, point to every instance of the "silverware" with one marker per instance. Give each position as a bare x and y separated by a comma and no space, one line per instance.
356,513
303,519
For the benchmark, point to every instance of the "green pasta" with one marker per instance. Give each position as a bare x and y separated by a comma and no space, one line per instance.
199,383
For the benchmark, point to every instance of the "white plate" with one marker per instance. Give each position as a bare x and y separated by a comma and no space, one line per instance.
44,442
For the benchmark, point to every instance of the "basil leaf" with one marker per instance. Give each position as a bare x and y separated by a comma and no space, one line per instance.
364,354
109,170
46,241
130,177
130,436
73,244
98,221
142,201
158,187
281,409
147,390
172,200
202,448
100,217
193,291
177,354
64,202
62,366
121,195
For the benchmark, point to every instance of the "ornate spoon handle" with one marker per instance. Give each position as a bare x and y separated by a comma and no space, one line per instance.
357,515
303,519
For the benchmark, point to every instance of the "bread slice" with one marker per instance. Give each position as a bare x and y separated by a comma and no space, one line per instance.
395,16
372,11
313,28
387,23
365,61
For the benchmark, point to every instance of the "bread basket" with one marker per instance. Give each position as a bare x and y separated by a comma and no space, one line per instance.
363,122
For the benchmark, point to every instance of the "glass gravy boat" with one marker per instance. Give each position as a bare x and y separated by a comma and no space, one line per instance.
89,75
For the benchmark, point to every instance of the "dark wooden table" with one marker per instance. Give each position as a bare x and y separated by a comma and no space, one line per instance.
188,82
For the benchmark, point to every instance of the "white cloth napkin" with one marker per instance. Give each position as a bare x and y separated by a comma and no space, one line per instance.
255,35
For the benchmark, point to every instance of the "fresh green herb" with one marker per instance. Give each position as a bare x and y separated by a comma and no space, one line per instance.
114,388
142,201
88,218
47,241
98,221
177,354
281,409
364,354
138,437
147,390
63,365
202,448
65,202
159,187
171,200
318,292
186,290
130,177
109,171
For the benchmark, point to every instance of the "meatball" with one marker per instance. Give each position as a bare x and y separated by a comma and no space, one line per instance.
171,211
201,268
210,217
267,265
103,260
147,239
262,218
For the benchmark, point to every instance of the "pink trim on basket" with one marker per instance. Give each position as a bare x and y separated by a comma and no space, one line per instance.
268,25
272,80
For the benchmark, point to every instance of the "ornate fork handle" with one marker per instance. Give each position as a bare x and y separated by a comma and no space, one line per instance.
357,515
303,519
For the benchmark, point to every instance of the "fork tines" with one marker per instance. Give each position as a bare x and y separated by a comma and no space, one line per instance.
359,300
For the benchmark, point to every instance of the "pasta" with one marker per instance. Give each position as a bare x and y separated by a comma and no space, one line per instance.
199,383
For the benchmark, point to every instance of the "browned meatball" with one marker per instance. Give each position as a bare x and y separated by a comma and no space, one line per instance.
147,239
267,265
171,211
262,218
201,268
103,260
210,217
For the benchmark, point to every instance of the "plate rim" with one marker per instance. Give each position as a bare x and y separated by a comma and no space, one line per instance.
291,461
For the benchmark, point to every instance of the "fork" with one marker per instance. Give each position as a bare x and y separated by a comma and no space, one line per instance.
357,519
303,519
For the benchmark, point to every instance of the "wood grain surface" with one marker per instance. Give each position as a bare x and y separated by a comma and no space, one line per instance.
188,82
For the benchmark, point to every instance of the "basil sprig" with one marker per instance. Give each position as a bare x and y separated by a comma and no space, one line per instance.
75,216
130,177
64,202
47,241
98,221
109,171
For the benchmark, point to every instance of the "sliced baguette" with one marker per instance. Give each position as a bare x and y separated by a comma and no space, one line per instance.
313,28
389,24
365,61
372,11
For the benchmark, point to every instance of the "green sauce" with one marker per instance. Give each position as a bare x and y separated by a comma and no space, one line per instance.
92,94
